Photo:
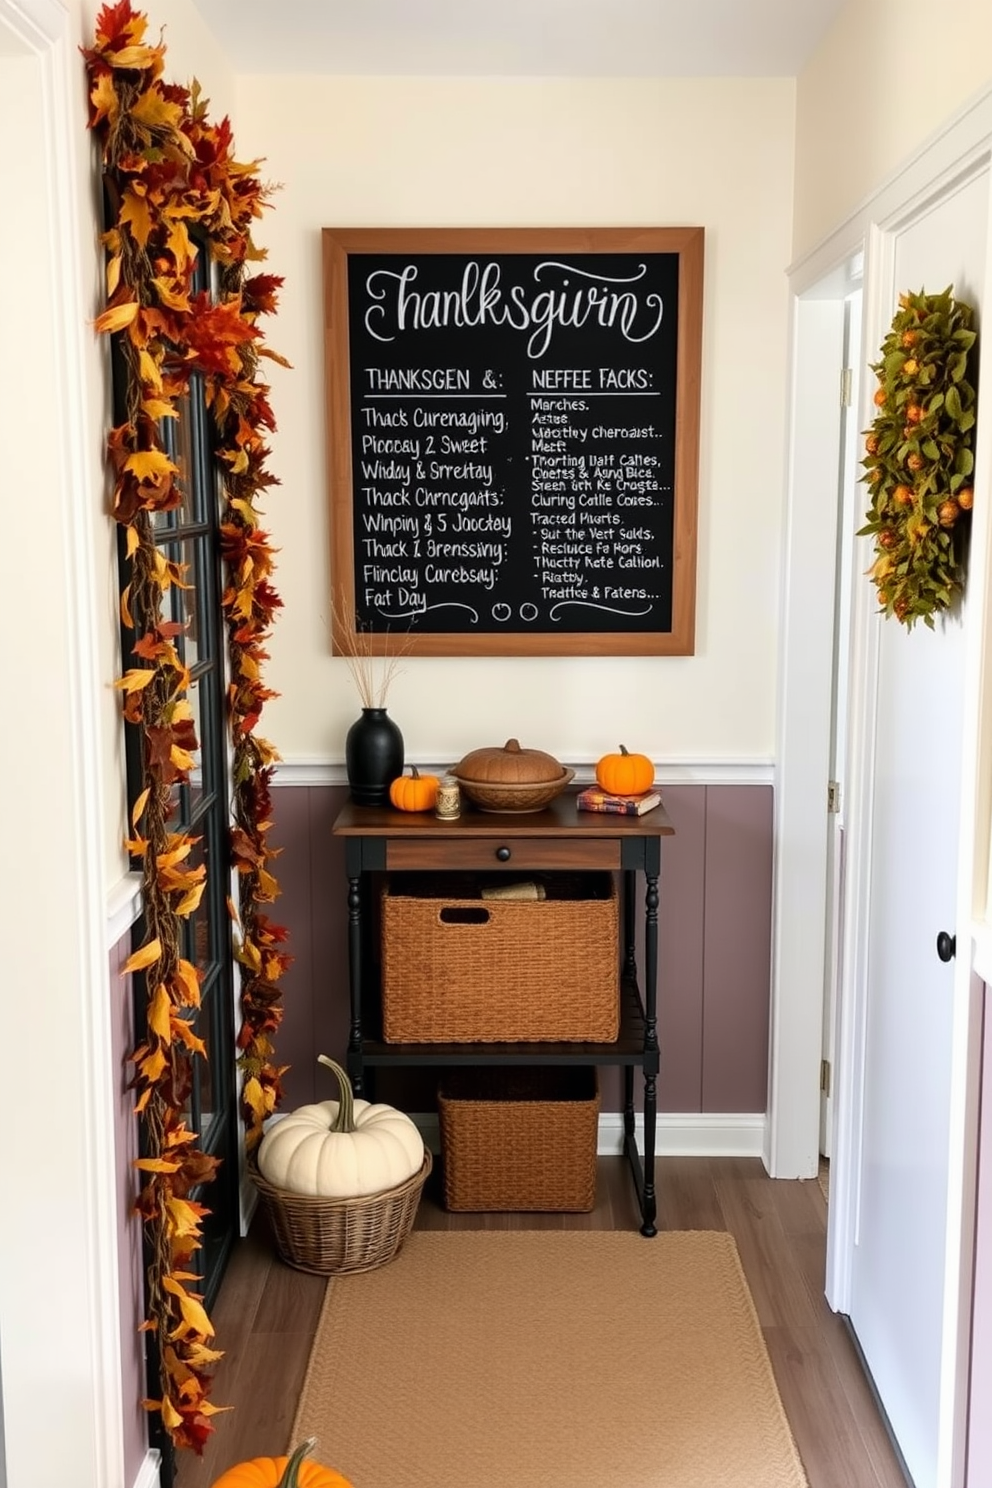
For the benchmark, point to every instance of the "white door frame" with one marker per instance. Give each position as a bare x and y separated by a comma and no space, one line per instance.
63,1420
806,668
959,152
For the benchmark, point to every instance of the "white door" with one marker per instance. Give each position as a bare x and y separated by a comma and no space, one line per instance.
850,502
898,1298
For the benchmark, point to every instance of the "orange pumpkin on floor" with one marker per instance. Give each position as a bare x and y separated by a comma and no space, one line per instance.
283,1472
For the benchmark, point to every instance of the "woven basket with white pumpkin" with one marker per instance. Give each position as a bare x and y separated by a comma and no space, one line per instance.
341,1181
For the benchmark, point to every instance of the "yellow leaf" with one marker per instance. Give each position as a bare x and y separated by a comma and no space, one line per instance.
126,616
180,245
254,1096
175,854
181,758
149,370
116,318
158,408
176,299
248,513
184,1217
198,1354
134,211
152,1067
137,810
190,900
192,1309
136,57
104,98
135,680
143,957
150,465
156,1165
170,1416
133,542
187,983
155,111
274,357
186,1036
159,1011
113,274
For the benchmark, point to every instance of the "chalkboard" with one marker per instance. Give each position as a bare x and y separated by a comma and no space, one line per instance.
513,431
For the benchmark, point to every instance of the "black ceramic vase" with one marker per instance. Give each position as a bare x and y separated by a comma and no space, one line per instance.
373,754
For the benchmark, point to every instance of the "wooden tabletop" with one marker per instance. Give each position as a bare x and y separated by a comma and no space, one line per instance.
560,819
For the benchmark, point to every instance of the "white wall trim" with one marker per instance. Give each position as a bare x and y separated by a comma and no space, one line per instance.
149,1473
313,771
948,151
696,1134
123,907
91,1421
804,724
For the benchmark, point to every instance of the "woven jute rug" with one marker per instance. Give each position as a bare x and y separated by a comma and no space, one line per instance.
548,1359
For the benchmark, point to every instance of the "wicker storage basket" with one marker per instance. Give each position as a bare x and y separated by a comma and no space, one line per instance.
520,1138
333,1236
460,969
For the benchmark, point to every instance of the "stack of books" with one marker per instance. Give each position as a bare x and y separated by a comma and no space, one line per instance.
593,798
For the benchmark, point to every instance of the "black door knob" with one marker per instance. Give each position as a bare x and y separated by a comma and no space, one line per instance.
946,946
503,853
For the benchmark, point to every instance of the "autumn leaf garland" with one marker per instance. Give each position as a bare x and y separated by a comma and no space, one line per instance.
171,180
919,461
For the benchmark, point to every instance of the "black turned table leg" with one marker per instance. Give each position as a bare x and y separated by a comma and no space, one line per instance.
649,1206
355,1071
629,927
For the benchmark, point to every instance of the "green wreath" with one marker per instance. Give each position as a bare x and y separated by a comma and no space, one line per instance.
919,459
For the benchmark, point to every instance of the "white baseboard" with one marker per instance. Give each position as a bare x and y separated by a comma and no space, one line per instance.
148,1473
696,1134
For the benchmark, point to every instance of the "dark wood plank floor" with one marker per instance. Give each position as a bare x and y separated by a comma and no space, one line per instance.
266,1313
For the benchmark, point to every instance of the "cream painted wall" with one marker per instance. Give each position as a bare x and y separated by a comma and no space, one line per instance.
402,152
888,75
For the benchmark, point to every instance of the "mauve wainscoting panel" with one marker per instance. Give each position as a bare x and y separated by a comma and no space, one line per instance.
714,921
314,908
130,1267
737,947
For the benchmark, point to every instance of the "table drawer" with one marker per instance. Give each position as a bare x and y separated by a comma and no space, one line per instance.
525,853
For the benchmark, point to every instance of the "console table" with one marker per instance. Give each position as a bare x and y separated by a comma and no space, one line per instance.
382,840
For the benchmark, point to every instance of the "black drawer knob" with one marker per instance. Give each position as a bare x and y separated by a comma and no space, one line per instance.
503,853
946,945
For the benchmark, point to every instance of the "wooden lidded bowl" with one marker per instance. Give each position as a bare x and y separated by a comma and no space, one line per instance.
511,778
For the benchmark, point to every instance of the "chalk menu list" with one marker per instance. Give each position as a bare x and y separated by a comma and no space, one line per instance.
513,422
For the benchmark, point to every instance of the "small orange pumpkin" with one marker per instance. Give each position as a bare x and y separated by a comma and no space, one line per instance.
414,792
625,774
282,1472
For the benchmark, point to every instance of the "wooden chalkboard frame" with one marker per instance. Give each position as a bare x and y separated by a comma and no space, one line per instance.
337,245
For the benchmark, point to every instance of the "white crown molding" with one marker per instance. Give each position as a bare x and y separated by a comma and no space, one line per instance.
321,772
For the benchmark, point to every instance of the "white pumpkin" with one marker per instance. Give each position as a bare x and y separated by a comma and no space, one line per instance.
341,1149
